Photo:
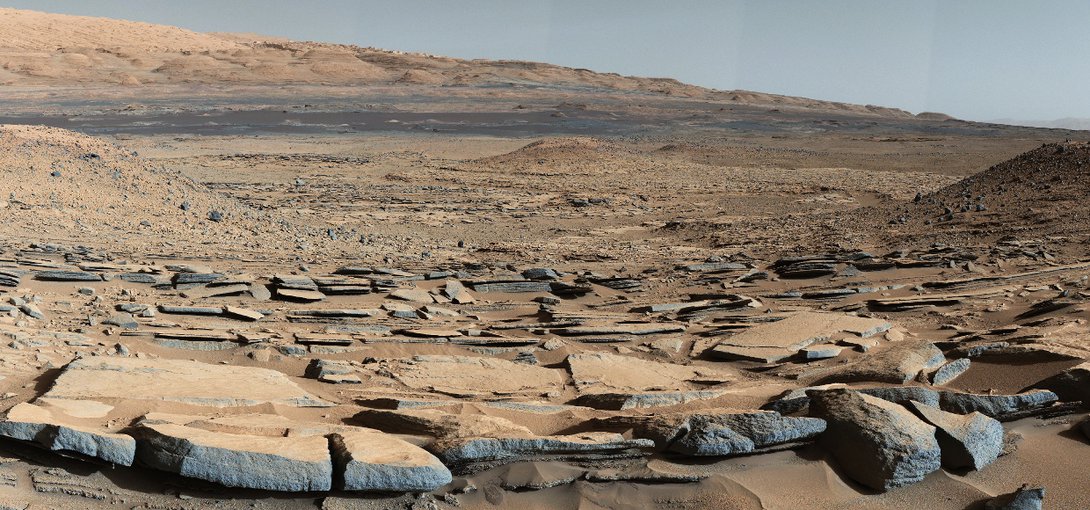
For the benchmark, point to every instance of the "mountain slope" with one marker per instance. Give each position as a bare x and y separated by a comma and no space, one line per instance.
41,50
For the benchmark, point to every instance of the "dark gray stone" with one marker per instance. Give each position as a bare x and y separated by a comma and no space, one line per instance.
744,432
1025,498
950,371
877,443
996,406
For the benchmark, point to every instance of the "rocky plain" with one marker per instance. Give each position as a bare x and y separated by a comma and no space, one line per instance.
243,272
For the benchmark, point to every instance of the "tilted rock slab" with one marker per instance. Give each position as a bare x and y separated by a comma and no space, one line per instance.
296,464
464,452
996,406
968,441
28,422
876,442
734,433
369,460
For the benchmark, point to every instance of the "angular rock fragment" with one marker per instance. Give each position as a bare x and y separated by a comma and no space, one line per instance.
877,443
950,371
1025,498
1071,385
122,320
240,313
457,293
999,407
968,441
468,453
368,460
191,310
412,295
513,286
625,401
734,433
300,295
67,276
331,371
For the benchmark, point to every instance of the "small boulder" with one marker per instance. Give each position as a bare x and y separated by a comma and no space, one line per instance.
967,441
1025,498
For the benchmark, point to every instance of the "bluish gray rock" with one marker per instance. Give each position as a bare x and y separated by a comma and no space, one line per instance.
1025,498
996,406
950,371
967,441
29,422
294,464
464,452
733,433
369,460
876,442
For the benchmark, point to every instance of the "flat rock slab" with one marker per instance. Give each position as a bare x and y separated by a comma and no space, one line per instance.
644,400
795,332
876,442
373,461
413,295
58,432
301,295
296,464
600,371
189,382
470,375
465,452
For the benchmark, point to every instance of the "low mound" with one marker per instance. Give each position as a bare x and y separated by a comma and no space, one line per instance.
1037,194
582,155
63,186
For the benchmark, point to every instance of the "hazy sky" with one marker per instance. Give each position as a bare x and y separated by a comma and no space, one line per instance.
975,59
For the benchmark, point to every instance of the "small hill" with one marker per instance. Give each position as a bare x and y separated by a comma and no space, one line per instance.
63,186
1043,192
571,155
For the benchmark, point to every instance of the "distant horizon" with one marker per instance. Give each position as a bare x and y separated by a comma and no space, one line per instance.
991,61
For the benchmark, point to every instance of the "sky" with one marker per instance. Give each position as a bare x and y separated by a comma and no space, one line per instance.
974,59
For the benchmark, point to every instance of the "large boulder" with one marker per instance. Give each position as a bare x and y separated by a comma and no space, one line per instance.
876,442
295,464
55,431
967,441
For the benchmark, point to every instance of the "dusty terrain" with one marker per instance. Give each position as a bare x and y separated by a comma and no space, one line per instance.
242,272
